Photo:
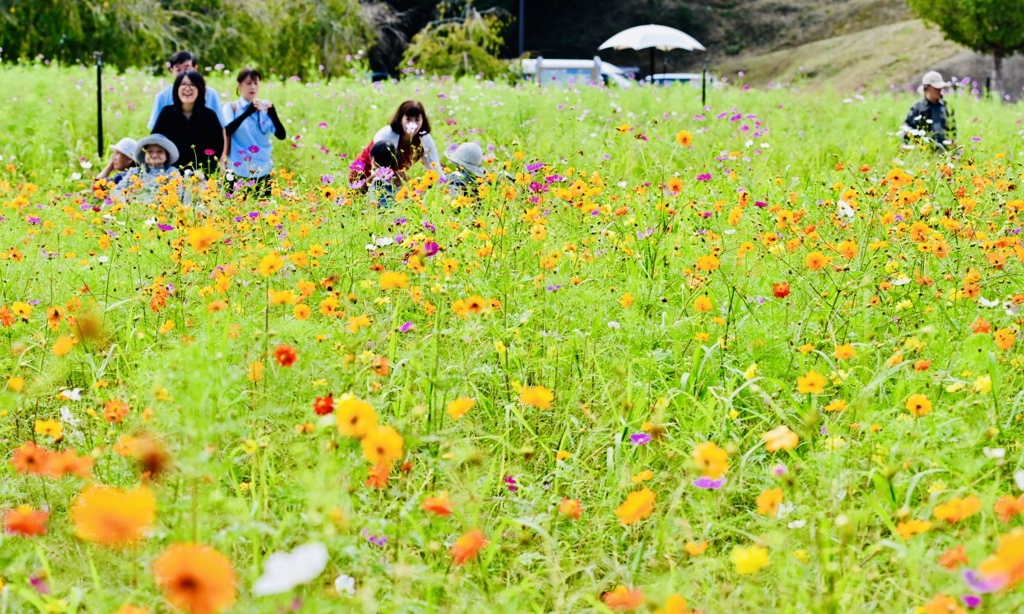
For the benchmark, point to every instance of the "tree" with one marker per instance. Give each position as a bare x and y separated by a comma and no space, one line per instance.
459,46
993,27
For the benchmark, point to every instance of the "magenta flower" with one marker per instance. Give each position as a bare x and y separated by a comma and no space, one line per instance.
640,439
209,152
706,483
406,327
704,177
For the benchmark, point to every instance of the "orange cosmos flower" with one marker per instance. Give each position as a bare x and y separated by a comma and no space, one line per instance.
115,410
675,604
467,547
570,508
1007,507
68,462
355,417
702,304
25,521
768,502
780,438
1006,565
1005,338
696,549
537,396
954,558
383,445
459,407
285,355
844,351
957,509
684,138
712,460
30,459
811,383
816,261
129,608
623,598
919,405
440,505
379,475
781,290
195,578
942,604
637,506
112,517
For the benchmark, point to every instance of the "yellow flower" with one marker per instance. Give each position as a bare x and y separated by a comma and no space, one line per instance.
50,428
382,446
16,383
255,372
201,238
626,301
712,460
270,264
702,304
768,502
166,327
113,517
637,506
749,560
957,509
643,476
536,396
63,345
919,405
909,528
836,406
695,548
302,312
459,407
811,383
391,279
22,310
780,438
562,455
684,138
844,351
356,418
983,385
357,322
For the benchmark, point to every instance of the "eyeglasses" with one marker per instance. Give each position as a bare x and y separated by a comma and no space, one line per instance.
188,86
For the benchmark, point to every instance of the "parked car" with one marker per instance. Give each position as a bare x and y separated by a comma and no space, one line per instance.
669,78
572,72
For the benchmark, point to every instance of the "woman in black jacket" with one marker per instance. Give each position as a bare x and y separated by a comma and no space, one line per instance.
193,128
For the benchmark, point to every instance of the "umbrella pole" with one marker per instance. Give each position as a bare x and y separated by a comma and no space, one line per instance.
652,65
704,84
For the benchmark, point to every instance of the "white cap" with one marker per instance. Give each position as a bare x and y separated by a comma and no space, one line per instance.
125,146
934,79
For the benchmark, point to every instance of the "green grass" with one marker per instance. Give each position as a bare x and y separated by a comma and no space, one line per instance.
246,482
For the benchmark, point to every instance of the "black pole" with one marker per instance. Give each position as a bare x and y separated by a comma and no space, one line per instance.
99,103
704,84
652,65
522,27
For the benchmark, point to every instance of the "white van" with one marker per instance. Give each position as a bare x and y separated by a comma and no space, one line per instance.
573,72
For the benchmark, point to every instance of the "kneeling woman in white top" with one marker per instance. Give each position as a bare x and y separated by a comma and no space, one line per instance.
409,133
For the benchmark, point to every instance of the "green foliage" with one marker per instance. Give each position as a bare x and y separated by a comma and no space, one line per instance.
293,36
995,27
459,47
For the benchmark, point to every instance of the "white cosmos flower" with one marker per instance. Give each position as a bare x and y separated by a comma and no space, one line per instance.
345,585
994,452
283,571
75,394
383,241
1018,477
797,524
984,302
845,210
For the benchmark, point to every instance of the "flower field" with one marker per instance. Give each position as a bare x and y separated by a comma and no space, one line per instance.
740,358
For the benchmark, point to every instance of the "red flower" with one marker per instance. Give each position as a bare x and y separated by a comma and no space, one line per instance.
209,152
285,355
781,290
25,521
324,405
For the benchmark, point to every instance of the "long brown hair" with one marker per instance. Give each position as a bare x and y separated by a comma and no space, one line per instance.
412,108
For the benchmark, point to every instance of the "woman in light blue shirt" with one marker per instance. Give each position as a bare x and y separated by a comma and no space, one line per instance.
251,121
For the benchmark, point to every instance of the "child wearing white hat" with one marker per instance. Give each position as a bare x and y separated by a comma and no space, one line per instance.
121,160
155,155
468,159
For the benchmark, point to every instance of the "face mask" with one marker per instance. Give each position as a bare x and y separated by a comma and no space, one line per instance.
412,128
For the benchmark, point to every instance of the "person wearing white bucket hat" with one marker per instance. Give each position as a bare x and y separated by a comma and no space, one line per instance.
929,119
156,155
468,159
121,160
